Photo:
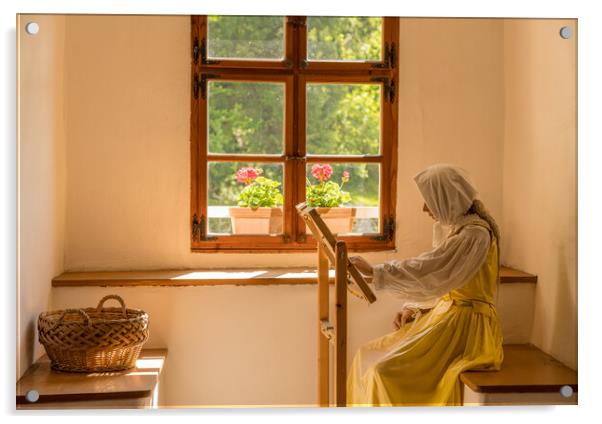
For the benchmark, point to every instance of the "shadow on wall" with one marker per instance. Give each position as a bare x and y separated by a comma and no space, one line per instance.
29,343
565,318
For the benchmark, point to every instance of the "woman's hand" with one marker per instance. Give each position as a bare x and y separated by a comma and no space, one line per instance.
362,265
406,315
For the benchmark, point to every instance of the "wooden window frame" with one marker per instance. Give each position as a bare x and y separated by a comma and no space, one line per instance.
294,70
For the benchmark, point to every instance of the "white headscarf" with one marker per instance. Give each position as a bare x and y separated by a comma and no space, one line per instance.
456,257
447,192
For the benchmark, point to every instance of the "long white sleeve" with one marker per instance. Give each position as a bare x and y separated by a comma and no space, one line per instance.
437,272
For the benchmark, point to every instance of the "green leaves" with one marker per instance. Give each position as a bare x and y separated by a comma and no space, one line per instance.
343,119
262,192
326,194
344,38
246,117
248,37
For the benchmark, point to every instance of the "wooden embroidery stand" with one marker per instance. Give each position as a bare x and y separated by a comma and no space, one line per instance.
331,251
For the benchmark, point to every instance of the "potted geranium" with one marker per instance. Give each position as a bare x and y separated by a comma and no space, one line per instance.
259,201
327,196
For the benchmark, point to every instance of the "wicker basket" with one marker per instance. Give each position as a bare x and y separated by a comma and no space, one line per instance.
93,339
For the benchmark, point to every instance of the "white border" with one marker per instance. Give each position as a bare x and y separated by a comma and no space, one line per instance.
589,172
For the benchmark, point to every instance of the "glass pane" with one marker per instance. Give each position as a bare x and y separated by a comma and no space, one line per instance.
343,119
347,195
350,38
244,198
245,117
245,37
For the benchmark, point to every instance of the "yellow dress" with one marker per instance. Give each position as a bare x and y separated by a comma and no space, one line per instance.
420,364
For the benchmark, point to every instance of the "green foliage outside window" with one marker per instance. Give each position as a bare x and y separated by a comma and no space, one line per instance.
246,37
344,38
248,118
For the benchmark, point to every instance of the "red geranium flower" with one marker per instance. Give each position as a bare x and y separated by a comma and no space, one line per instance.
321,172
247,175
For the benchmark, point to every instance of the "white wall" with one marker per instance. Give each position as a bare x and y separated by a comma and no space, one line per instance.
41,174
540,174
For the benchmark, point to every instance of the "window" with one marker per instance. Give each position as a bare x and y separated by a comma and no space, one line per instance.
286,110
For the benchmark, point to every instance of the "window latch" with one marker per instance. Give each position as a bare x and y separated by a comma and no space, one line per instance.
295,158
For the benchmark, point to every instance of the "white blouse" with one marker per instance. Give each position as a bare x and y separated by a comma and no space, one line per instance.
448,266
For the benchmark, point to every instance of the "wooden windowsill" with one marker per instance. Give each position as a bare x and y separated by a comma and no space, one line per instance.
220,277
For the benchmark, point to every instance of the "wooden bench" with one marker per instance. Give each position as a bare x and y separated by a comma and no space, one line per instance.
134,388
528,377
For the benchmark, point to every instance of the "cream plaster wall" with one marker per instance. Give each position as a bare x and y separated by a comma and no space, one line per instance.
128,194
41,174
451,111
128,145
540,174
232,345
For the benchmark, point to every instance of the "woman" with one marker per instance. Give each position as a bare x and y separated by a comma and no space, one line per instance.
420,363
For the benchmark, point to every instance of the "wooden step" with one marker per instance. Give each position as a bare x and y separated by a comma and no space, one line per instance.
511,275
525,370
134,388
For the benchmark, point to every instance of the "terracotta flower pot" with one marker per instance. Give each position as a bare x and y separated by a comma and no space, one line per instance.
256,221
339,220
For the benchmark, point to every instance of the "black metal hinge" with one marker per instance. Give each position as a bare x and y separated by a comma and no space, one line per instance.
195,228
386,58
199,229
389,57
195,50
200,84
388,229
204,59
195,85
389,87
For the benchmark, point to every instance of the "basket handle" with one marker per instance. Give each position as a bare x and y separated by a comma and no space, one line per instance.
112,296
83,313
